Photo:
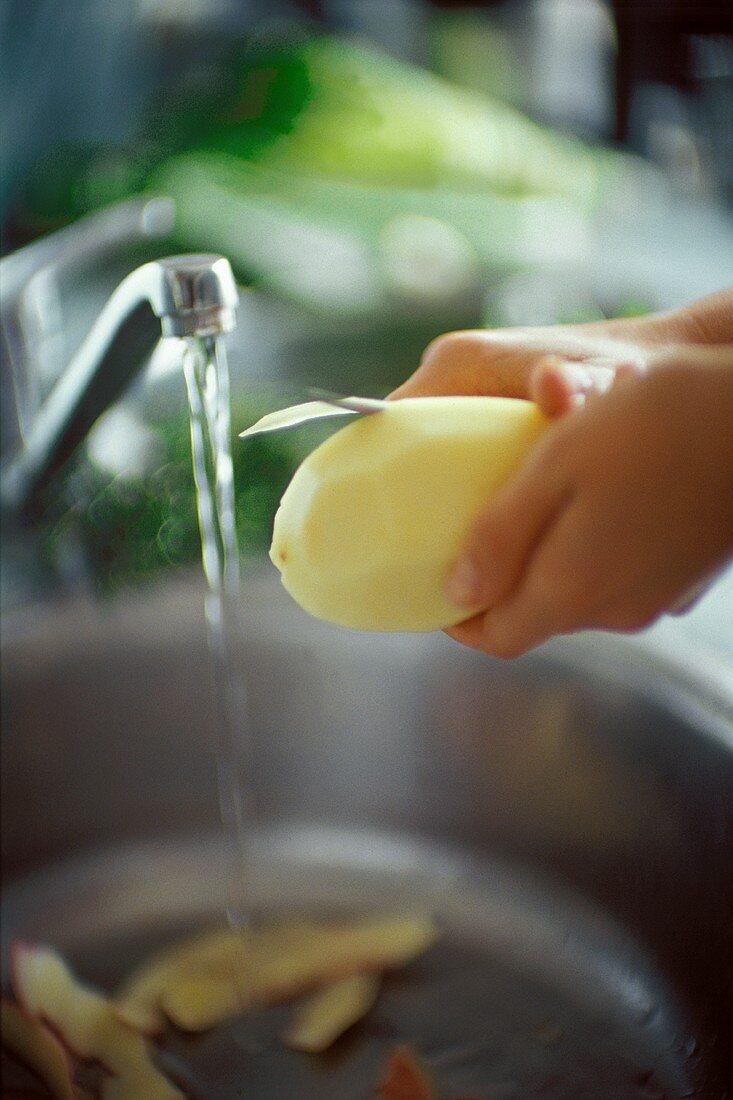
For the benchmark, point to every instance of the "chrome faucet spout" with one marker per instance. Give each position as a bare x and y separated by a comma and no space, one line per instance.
193,295
174,297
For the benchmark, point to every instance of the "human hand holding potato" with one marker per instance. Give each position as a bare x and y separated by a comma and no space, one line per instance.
603,503
624,509
561,366
373,518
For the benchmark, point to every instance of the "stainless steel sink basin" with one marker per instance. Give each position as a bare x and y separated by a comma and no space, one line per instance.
569,817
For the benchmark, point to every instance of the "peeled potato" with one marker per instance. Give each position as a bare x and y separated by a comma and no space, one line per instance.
374,518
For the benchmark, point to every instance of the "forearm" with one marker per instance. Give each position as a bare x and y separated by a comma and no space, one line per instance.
505,362
708,321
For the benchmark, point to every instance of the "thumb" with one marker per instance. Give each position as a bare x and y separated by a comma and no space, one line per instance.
559,385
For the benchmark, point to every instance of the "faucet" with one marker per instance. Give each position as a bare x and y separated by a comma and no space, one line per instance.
178,296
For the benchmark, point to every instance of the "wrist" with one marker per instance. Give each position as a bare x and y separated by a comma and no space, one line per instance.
707,322
702,323
652,333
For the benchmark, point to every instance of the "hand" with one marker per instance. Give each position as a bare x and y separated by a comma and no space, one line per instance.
585,360
559,367
623,511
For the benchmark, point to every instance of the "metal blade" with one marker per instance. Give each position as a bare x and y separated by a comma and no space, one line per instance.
363,405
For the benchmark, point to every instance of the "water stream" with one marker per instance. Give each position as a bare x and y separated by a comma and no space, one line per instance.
207,381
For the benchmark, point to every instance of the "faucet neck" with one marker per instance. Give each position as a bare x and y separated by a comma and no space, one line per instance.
173,297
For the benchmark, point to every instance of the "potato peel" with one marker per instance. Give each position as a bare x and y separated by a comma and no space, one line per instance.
139,999
204,981
86,1023
332,1011
216,957
201,1002
200,986
334,951
404,1078
34,1044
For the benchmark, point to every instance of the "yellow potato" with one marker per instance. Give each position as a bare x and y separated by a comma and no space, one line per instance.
374,518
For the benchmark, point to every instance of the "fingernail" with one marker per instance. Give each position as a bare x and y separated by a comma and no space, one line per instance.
463,587
578,377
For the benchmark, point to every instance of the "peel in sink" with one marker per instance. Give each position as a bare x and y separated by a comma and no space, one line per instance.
59,1024
373,519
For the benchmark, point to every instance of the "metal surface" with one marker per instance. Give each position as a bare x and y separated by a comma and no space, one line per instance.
326,405
180,296
363,405
32,279
193,295
569,817
530,993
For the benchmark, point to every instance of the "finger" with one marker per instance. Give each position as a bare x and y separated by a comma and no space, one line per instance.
505,534
553,389
527,619
629,370
471,363
551,598
559,385
469,632
509,630
693,596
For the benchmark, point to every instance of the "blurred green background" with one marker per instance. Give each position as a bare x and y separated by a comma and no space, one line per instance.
377,172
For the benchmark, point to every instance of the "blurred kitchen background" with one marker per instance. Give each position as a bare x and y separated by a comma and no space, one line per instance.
377,171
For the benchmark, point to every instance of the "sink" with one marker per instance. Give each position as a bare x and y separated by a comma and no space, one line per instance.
568,816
